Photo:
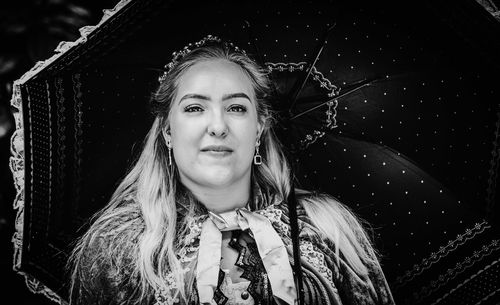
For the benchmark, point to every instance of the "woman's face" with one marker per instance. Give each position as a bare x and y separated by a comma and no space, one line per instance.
214,125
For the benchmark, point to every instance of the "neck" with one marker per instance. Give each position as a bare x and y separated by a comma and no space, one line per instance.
224,199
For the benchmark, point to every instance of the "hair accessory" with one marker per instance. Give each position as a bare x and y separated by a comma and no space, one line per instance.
257,158
177,56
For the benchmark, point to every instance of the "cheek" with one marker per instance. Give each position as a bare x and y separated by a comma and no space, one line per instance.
183,143
182,130
249,138
182,138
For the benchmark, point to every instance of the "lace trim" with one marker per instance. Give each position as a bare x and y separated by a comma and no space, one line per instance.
17,164
61,130
65,46
17,167
330,113
292,66
317,260
443,251
163,295
274,216
459,268
186,254
468,280
253,269
78,123
189,248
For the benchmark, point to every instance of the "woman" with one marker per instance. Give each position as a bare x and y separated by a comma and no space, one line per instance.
202,219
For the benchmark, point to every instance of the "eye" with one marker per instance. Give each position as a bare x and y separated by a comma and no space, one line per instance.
193,108
237,108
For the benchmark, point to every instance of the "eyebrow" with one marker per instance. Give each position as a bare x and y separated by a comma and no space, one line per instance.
225,97
235,95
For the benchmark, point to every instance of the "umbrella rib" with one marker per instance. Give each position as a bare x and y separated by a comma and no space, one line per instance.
297,90
363,83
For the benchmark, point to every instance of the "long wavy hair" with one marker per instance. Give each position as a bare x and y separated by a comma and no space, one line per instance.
153,188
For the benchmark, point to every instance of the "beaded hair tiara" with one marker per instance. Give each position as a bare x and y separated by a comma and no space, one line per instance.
177,56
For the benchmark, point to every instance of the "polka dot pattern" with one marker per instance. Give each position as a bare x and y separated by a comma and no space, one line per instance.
413,153
115,131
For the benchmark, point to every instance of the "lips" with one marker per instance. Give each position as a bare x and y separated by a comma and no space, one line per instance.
217,148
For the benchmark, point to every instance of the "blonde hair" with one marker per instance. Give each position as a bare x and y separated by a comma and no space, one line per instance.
153,186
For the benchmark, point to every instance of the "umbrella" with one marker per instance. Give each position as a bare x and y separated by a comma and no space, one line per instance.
408,176
384,150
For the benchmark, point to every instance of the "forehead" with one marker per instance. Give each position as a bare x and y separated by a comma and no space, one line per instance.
215,75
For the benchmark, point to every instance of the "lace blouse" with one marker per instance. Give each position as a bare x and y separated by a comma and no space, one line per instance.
255,289
327,280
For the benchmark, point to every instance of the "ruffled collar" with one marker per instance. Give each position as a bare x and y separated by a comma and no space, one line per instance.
188,245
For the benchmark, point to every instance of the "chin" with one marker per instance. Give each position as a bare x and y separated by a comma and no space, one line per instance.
217,179
215,176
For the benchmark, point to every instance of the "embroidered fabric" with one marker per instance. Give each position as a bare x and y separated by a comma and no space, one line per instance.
327,280
320,258
270,247
248,260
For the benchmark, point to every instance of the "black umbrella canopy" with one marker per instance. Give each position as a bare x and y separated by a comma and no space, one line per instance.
415,152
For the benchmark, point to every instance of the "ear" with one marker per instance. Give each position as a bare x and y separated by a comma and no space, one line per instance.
167,136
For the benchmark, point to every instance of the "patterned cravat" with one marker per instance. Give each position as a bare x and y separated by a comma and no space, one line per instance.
271,250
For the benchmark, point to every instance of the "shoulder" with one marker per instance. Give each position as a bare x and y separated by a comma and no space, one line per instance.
115,228
104,261
333,229
322,212
340,229
330,216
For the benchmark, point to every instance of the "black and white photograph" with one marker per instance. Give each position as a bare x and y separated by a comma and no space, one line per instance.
250,152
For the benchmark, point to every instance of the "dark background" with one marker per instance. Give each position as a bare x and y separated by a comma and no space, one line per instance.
29,32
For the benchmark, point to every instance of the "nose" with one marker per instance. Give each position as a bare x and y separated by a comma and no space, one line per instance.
217,126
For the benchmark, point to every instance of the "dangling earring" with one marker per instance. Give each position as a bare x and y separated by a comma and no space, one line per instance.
257,159
169,146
